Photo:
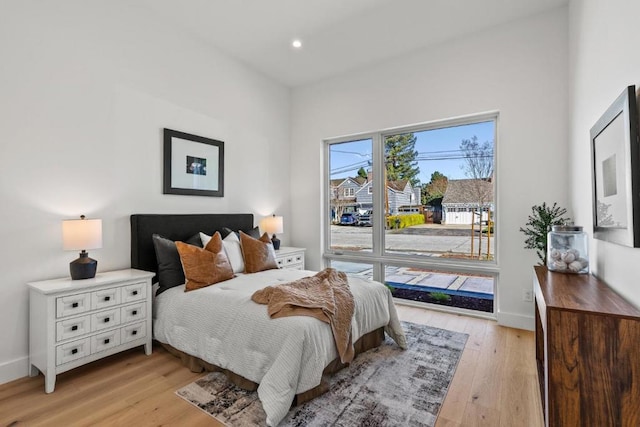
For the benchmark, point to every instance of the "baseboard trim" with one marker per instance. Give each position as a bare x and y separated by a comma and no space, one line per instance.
514,320
14,369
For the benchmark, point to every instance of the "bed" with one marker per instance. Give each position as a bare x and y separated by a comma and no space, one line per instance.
220,328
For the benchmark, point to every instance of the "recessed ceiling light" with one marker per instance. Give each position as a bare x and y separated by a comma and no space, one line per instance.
297,43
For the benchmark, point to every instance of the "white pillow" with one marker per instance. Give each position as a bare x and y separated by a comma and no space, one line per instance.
231,245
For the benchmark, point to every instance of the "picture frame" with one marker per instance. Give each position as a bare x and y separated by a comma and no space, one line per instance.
193,165
615,163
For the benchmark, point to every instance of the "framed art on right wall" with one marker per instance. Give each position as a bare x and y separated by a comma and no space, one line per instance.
615,163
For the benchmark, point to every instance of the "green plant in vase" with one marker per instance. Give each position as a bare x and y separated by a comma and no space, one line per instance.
539,224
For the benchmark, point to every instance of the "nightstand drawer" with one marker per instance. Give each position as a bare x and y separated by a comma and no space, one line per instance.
70,328
105,298
134,332
69,352
133,312
290,258
284,262
105,341
135,292
105,319
73,304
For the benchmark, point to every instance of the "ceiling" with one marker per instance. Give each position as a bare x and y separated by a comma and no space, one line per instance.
337,35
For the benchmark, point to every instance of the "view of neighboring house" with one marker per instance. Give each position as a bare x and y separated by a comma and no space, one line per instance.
465,196
355,194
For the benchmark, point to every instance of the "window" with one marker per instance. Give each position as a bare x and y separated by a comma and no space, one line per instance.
348,162
434,211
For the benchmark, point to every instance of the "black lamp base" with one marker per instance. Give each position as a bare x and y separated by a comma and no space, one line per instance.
276,242
83,267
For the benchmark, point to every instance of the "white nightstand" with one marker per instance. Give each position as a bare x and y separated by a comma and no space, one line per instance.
74,322
289,257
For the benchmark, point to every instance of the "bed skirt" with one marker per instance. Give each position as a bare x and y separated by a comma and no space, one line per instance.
368,341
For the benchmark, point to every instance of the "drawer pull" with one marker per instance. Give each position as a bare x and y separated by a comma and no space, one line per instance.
135,293
74,351
74,328
134,313
134,332
107,298
106,341
74,305
106,320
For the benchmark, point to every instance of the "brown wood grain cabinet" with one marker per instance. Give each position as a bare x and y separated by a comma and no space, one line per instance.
587,351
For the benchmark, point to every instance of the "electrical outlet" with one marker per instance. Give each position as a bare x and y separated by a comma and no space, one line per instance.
527,295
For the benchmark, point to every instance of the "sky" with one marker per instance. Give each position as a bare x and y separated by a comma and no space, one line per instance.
437,151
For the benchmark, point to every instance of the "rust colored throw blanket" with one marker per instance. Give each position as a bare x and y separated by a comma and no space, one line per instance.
325,296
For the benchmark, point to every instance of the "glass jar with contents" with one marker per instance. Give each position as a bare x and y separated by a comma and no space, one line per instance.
567,249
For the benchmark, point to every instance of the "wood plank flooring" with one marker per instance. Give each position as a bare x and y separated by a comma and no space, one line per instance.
495,385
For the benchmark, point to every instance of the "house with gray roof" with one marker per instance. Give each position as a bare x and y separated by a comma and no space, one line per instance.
402,197
465,196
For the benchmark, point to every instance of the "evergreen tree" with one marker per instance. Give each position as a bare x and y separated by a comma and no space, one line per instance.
362,173
435,188
400,158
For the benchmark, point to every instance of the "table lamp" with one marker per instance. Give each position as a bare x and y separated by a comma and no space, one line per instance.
82,234
272,225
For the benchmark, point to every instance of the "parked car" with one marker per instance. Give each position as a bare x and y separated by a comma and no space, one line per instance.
364,219
349,218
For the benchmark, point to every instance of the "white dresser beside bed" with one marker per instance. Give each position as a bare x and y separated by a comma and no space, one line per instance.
74,322
290,257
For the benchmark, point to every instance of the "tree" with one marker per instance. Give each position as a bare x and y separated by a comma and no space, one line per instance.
338,202
435,188
400,155
478,165
478,158
362,173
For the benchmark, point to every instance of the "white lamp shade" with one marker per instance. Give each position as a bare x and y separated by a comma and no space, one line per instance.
79,234
272,224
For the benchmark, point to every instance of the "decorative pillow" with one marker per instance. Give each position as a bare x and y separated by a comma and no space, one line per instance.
232,248
195,241
204,267
254,232
170,273
258,254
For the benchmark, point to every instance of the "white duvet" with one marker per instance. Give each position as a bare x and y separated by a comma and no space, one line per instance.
221,325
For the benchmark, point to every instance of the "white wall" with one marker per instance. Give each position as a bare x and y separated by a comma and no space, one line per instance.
519,69
85,90
604,40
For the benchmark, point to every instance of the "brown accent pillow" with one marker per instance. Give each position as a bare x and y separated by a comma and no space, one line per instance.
204,267
258,254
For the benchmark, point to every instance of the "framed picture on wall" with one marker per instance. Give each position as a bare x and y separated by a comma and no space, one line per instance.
615,163
193,165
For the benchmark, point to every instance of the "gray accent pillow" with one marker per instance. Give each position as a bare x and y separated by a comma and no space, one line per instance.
170,272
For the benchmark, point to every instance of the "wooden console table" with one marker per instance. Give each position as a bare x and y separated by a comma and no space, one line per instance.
587,351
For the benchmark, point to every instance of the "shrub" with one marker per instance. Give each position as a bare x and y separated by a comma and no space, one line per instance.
404,221
440,296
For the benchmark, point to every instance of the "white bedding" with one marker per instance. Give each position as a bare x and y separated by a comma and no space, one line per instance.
221,325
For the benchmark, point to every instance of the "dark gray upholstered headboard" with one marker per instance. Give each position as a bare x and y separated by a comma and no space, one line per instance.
176,227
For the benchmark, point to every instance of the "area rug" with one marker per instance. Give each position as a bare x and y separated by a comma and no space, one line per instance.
385,386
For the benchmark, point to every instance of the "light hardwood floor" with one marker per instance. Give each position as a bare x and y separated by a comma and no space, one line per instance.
495,385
